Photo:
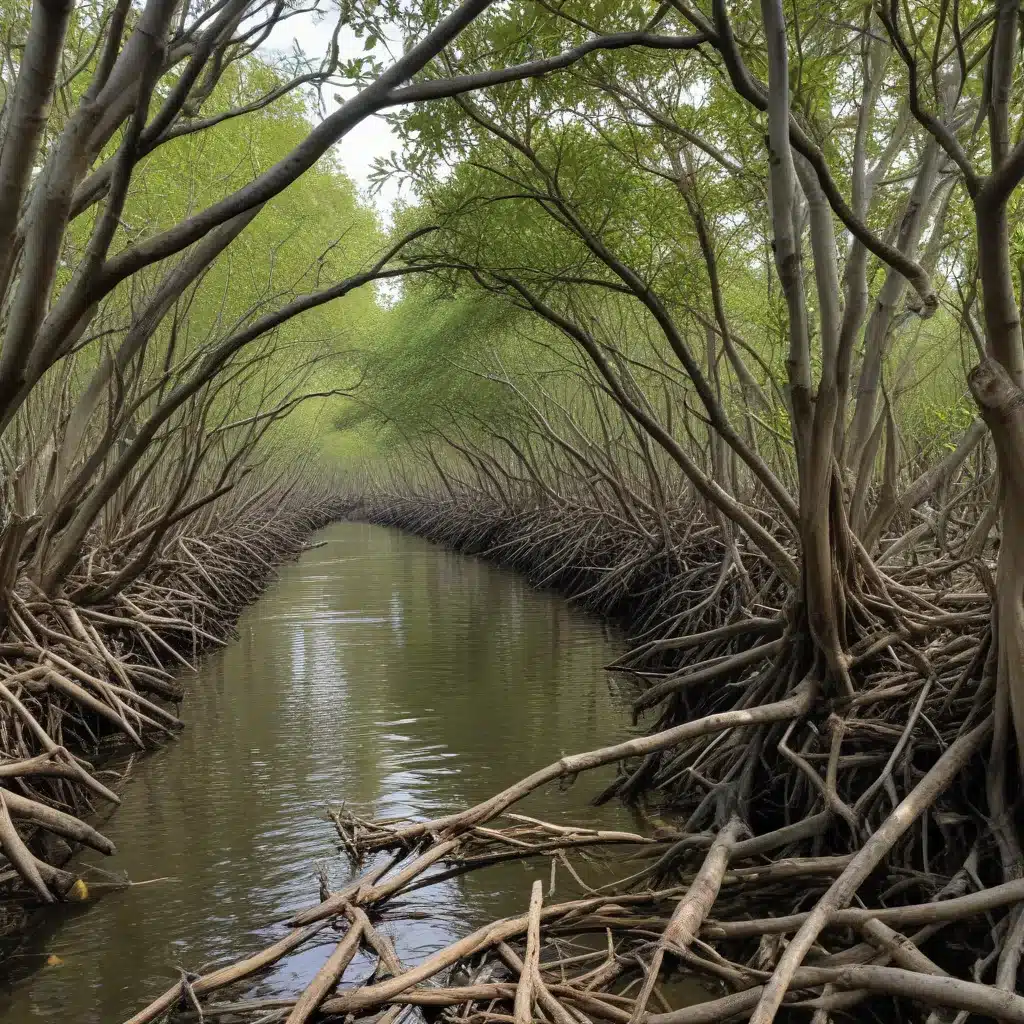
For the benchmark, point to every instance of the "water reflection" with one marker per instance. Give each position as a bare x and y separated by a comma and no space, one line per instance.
379,670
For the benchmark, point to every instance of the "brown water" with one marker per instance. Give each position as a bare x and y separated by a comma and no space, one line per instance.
378,670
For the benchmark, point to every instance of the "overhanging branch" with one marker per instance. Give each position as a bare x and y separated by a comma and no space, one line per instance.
446,87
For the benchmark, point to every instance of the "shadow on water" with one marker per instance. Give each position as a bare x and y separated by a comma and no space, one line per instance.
378,670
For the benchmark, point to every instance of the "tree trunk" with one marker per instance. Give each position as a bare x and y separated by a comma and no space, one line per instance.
1002,405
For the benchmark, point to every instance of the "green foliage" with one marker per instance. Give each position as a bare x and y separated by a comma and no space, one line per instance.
315,232
427,369
520,174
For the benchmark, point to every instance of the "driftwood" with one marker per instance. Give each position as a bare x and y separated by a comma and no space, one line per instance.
571,986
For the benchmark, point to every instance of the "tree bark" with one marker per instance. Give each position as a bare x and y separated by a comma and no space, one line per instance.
1002,406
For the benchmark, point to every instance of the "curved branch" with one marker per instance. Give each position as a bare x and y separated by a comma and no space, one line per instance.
708,488
447,87
941,134
66,549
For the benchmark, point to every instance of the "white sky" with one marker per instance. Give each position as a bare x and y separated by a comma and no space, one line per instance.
367,141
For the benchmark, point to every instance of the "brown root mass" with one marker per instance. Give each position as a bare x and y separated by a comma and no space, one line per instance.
831,856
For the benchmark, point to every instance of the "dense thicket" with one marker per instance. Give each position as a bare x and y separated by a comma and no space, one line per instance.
759,373
711,308
173,232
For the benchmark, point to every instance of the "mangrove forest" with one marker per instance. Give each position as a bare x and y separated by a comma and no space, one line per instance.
646,417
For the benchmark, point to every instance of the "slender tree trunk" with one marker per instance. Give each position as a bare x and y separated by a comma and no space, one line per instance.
1002,405
877,334
996,385
821,598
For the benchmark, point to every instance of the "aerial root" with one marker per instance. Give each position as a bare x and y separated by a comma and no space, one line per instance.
824,848
694,908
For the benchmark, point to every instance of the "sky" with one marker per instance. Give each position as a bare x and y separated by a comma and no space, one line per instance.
367,141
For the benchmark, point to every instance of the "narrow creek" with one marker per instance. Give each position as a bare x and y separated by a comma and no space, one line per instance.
379,671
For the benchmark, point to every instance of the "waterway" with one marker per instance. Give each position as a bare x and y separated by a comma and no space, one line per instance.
378,671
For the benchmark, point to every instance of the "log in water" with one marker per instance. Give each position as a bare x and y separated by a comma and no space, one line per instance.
379,670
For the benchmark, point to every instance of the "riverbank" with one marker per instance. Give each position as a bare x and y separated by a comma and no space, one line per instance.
84,674
787,803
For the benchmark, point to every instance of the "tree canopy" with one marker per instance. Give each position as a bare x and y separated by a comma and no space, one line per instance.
728,283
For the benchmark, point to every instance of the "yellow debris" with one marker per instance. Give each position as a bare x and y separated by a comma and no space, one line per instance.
79,892
53,960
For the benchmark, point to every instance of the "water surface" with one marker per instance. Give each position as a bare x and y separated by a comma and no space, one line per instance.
379,671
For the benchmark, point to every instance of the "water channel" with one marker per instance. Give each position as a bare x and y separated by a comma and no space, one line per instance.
378,670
